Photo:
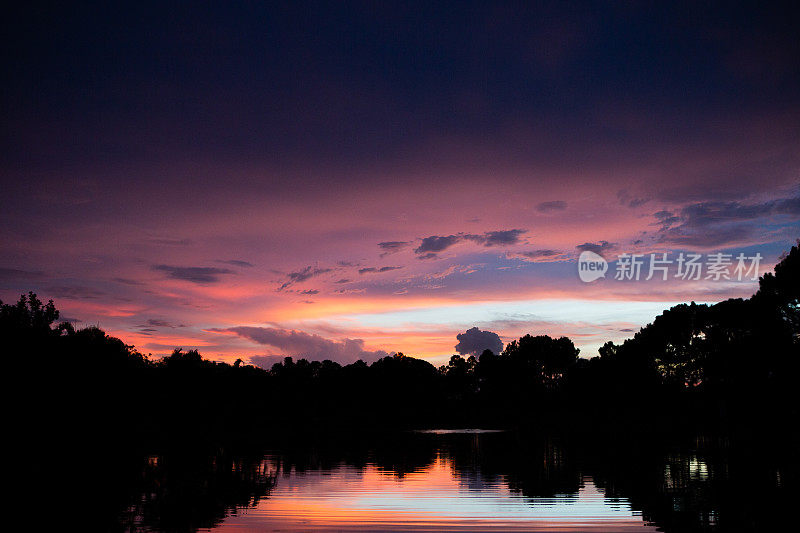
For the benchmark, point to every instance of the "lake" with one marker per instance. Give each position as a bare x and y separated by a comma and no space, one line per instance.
456,480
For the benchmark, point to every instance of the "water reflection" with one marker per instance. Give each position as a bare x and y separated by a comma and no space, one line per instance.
437,497
457,481
185,492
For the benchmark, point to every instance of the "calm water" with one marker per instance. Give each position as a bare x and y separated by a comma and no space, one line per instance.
458,481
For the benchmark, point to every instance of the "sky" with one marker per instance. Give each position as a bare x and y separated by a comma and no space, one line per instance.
346,180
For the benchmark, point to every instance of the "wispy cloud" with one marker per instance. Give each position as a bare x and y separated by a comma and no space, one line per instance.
373,270
235,262
497,238
158,323
551,206
597,247
430,246
540,256
302,275
627,199
390,247
18,274
74,292
171,242
199,275
128,281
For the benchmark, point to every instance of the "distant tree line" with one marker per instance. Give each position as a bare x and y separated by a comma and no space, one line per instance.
735,362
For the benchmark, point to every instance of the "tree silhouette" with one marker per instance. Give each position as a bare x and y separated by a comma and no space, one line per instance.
703,363
544,361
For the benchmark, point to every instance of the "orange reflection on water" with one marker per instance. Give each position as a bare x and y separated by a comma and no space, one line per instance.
434,498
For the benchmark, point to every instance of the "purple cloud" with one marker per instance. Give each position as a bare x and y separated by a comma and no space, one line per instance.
390,247
717,223
626,199
435,243
235,262
498,238
303,275
308,346
372,270
540,256
551,206
596,247
199,275
474,342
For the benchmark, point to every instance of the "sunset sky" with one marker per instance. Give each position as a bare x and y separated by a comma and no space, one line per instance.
349,180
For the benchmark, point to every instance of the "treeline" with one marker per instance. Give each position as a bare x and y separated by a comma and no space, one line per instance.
735,362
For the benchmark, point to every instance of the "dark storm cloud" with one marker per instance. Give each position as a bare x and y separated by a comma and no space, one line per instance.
372,270
474,342
303,275
235,262
199,275
310,291
309,346
551,206
596,247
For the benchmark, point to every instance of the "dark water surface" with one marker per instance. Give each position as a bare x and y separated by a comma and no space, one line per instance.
455,481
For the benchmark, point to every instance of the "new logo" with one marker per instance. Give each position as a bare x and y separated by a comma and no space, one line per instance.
591,266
